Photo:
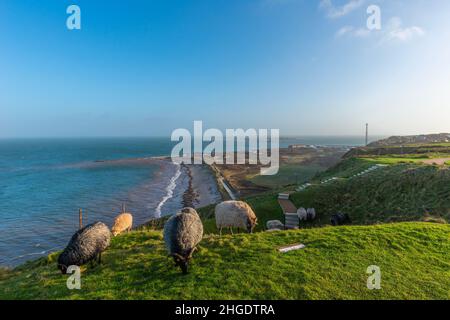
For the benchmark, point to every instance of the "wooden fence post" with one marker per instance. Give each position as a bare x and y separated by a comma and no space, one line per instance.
80,216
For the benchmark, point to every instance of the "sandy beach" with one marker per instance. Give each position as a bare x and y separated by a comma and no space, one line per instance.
202,188
200,184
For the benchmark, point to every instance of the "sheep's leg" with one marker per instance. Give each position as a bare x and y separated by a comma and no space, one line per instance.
231,230
100,258
220,231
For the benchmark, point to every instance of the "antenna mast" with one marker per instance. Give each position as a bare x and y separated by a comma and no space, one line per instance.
367,134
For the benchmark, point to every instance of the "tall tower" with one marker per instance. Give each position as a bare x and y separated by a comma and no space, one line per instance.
367,134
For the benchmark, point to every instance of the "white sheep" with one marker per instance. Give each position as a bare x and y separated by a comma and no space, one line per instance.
236,214
311,214
302,214
274,224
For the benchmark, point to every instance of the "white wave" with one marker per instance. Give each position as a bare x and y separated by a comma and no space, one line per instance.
170,188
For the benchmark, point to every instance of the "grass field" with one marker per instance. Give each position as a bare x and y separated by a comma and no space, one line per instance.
403,192
414,259
288,174
410,158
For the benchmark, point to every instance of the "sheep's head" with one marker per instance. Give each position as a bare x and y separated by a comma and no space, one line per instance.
63,262
252,222
181,261
62,268
114,232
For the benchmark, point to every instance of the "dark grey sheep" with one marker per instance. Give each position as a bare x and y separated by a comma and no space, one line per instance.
340,219
182,234
85,245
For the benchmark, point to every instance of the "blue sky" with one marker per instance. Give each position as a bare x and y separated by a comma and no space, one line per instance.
140,68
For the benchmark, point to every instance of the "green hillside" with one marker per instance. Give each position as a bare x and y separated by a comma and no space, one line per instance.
398,192
394,210
414,259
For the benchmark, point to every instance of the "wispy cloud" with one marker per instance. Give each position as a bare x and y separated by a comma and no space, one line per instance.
353,32
391,33
334,11
396,32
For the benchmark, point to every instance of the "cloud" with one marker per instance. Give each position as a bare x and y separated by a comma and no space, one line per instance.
392,32
350,31
339,11
396,32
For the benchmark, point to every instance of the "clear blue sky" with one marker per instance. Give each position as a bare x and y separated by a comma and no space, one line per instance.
307,67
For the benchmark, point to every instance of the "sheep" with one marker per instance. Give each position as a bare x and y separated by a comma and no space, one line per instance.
306,214
85,245
340,219
235,214
182,233
122,223
311,214
302,214
274,224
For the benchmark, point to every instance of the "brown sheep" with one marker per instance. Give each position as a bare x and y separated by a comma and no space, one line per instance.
122,223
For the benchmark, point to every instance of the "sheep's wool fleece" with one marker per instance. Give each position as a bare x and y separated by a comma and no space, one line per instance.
86,244
183,231
233,214
122,222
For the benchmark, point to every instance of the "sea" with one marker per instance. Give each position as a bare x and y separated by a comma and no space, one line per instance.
45,182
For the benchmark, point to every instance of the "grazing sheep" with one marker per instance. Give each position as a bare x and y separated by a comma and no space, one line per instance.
340,219
182,234
302,214
274,224
85,245
122,223
235,214
306,214
310,214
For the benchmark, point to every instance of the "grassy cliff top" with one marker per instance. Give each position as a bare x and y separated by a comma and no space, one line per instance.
414,259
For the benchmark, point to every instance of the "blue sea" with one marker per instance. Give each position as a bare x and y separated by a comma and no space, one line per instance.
44,182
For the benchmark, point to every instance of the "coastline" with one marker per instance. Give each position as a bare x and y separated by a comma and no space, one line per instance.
198,183
202,188
169,189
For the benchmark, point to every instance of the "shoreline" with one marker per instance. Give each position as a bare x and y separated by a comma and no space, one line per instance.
202,189
195,186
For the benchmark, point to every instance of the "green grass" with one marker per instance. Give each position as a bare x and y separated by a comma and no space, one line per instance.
414,259
345,169
409,158
287,175
403,192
